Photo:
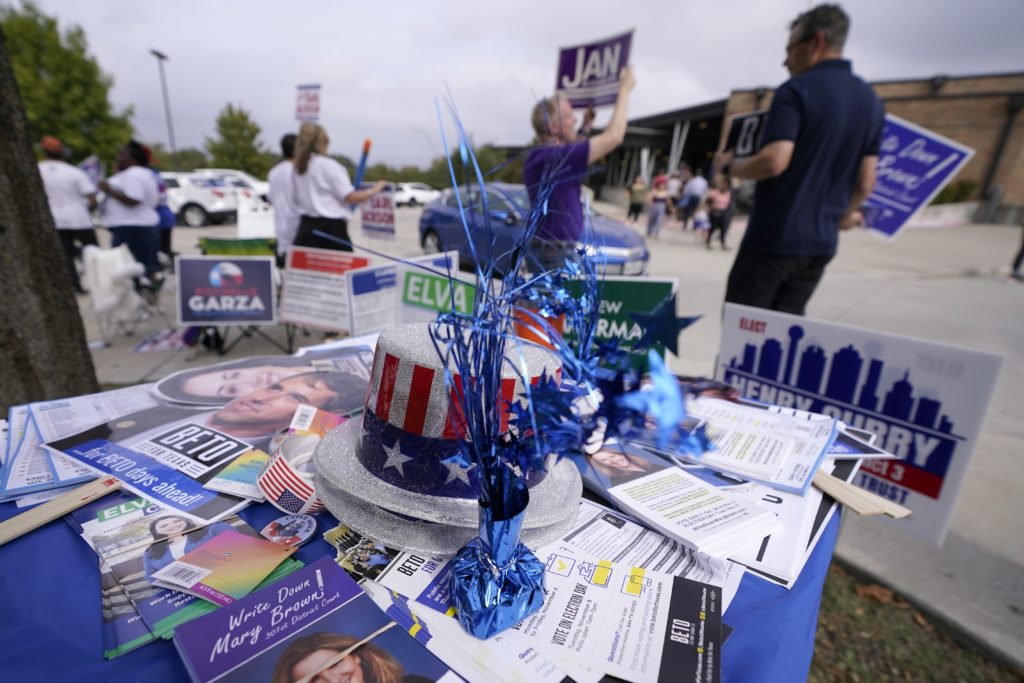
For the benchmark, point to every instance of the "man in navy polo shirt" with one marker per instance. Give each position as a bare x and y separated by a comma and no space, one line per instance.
555,169
814,171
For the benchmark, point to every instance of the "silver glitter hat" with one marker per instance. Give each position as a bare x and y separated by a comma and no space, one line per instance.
394,457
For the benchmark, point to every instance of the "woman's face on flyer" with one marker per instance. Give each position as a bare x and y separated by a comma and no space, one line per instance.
232,382
170,526
274,405
612,459
345,671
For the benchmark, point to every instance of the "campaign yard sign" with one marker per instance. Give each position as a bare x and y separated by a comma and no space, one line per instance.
433,289
914,164
226,290
589,74
378,216
925,401
315,289
746,131
307,103
621,296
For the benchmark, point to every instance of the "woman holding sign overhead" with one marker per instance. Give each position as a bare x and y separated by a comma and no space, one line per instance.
323,192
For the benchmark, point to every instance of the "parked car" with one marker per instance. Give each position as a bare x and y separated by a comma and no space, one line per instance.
413,194
241,180
617,248
197,199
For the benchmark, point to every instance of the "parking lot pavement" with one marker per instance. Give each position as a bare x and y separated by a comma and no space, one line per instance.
943,284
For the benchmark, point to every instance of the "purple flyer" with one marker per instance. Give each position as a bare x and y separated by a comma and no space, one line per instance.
914,164
284,630
589,74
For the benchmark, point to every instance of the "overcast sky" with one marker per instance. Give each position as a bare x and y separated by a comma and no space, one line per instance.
382,64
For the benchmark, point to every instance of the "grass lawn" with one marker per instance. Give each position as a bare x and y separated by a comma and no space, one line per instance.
867,633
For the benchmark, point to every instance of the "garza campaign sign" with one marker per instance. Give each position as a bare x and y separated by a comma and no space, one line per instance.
378,215
914,164
307,103
589,74
925,401
226,290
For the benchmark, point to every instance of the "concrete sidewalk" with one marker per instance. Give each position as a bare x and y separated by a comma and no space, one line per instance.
944,284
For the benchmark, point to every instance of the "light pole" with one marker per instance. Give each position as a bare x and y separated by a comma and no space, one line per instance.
160,59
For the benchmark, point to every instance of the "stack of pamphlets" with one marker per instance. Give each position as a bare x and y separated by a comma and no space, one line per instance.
665,497
623,568
773,448
29,467
123,530
316,624
779,555
599,617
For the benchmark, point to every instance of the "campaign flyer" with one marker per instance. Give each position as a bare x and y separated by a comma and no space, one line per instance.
136,538
239,476
123,628
638,625
314,622
164,454
224,568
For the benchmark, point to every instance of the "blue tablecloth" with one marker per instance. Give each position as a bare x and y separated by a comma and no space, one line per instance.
50,616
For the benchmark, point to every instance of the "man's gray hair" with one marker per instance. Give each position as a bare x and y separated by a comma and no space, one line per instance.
830,20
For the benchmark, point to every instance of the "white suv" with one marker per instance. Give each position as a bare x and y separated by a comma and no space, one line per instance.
240,180
414,194
197,199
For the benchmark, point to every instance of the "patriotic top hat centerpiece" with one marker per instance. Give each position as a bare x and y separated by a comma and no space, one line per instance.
392,475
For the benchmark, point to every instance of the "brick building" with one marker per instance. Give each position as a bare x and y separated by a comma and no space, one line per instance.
981,111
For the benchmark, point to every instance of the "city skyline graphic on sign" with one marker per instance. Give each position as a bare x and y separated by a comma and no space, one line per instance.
835,379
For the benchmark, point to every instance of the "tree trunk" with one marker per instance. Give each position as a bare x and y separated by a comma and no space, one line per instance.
43,351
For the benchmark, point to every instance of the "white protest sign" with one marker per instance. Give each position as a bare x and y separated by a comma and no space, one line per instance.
378,216
255,217
315,291
925,401
307,103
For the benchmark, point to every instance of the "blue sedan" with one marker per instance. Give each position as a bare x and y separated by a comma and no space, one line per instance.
616,248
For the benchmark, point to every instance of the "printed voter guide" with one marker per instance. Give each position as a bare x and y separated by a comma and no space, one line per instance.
600,615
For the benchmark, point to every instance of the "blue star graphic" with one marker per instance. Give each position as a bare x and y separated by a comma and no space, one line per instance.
662,326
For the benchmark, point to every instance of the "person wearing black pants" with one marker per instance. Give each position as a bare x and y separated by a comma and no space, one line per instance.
1018,261
324,194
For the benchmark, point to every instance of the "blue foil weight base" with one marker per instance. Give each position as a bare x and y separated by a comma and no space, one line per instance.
496,581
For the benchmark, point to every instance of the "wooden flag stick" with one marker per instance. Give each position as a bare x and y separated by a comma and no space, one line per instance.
861,501
47,512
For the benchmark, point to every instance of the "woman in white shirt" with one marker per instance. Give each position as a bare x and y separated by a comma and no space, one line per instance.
323,192
129,210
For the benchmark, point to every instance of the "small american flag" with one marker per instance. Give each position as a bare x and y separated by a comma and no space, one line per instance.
284,487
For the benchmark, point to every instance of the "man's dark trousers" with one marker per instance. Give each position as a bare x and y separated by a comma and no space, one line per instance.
779,283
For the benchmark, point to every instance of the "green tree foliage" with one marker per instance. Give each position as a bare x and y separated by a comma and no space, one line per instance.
183,160
496,163
237,145
65,92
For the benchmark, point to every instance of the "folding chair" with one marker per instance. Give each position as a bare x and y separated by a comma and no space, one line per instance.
111,276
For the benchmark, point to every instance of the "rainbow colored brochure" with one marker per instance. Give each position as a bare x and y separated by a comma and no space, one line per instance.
223,569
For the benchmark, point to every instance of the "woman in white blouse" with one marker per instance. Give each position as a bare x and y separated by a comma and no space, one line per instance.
129,209
323,192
